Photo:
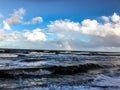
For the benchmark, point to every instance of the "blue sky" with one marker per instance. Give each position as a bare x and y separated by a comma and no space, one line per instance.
60,9
48,17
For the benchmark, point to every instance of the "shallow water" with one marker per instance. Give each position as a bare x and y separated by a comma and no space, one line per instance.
64,71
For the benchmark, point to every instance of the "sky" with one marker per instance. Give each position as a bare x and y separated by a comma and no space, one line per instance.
85,25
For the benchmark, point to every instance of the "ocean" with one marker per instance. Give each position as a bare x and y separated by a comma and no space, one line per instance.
59,70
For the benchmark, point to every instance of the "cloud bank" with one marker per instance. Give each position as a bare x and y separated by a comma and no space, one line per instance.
63,34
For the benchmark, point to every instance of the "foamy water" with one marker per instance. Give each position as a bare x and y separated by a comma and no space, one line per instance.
68,71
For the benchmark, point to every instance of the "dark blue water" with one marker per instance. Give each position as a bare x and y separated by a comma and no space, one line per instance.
63,71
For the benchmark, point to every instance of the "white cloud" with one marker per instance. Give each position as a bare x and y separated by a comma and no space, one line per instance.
63,25
15,19
37,20
6,25
105,18
85,35
35,35
34,21
115,18
94,33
